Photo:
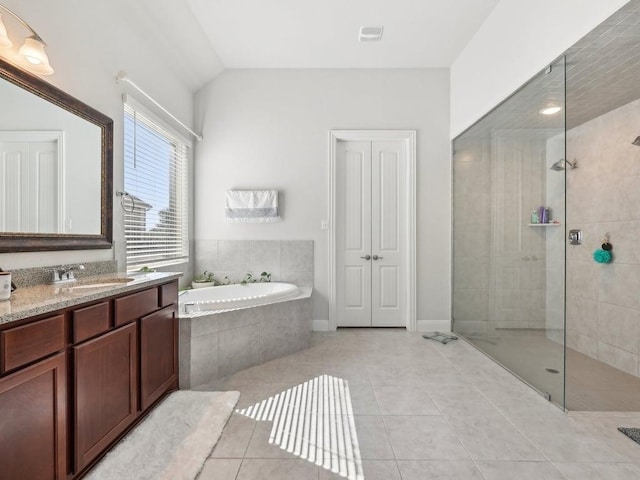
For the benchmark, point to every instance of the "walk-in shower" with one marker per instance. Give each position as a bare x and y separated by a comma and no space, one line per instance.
524,294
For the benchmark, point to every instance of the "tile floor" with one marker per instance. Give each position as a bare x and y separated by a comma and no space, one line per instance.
424,411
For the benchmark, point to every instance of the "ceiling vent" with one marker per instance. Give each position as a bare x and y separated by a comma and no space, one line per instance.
371,33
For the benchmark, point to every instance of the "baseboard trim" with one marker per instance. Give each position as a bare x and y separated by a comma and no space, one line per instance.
320,326
433,325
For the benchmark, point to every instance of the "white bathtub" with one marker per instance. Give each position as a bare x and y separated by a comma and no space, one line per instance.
229,328
229,297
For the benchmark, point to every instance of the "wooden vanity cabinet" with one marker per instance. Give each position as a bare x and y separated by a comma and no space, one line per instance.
158,355
33,421
72,384
106,391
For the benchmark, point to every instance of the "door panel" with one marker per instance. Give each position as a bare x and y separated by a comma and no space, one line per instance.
389,282
354,234
388,180
355,282
30,199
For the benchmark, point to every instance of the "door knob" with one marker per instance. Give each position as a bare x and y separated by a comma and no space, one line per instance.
376,257
367,257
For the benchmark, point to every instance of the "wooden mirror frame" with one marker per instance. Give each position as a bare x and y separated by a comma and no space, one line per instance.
33,242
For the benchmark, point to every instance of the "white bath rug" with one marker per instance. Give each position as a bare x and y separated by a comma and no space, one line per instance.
173,442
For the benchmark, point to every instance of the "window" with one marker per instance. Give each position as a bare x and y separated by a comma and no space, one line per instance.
155,177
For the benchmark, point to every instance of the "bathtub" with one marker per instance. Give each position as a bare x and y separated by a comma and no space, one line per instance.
233,327
226,297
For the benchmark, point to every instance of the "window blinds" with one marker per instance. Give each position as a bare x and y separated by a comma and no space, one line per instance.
156,179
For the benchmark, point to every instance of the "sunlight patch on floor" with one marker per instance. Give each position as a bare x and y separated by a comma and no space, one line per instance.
314,421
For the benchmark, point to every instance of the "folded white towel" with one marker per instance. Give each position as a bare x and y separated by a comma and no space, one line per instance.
251,206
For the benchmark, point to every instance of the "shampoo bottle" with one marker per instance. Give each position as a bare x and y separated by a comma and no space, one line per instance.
534,217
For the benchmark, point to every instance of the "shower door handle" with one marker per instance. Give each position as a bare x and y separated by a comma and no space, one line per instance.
376,257
367,257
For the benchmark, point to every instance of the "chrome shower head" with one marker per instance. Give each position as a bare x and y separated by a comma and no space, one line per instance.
636,142
562,163
558,166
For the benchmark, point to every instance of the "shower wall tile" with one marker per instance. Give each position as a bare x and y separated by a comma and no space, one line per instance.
472,272
619,326
600,199
618,358
470,305
582,280
582,317
469,241
583,344
620,284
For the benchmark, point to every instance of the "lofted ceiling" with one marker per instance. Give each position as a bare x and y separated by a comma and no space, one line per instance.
324,34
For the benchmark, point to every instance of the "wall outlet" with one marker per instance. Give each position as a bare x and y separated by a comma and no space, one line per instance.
324,224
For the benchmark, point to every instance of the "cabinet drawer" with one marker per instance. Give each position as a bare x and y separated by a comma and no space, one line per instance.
168,294
90,321
132,307
22,345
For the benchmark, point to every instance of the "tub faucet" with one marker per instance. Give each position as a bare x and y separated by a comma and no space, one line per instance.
65,274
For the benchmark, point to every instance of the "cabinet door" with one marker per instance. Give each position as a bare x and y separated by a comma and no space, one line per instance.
106,384
33,422
158,355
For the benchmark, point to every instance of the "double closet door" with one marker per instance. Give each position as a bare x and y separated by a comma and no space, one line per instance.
371,233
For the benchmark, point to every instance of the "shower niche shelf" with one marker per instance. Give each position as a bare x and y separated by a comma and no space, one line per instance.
543,224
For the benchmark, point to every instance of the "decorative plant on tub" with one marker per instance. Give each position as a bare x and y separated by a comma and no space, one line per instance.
249,278
206,279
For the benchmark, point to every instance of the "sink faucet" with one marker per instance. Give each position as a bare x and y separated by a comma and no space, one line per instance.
65,274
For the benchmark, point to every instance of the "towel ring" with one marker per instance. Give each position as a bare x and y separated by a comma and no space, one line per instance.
124,195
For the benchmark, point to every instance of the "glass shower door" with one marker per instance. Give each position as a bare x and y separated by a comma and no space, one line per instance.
508,215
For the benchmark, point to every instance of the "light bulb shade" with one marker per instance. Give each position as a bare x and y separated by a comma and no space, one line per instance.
33,52
4,38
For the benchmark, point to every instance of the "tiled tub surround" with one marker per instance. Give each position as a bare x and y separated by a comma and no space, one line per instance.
286,260
603,301
217,345
35,300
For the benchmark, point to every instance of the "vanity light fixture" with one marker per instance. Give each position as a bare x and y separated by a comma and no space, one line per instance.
550,110
31,55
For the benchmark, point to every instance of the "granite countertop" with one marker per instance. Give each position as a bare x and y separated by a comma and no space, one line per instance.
40,299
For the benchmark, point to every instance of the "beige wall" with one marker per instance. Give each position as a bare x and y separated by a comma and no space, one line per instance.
603,195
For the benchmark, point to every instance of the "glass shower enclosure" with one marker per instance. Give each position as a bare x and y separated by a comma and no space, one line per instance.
509,172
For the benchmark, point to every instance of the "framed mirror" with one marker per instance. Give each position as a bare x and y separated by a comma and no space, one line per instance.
56,168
